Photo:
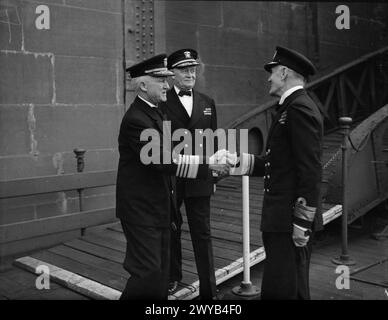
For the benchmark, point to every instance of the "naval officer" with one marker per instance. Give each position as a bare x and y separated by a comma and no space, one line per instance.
145,191
191,110
292,171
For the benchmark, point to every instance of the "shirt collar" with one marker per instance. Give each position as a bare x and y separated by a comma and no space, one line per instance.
177,90
288,93
147,102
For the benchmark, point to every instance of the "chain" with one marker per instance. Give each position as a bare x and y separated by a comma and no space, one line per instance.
333,158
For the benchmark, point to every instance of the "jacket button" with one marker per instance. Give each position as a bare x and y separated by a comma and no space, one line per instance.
200,145
172,191
186,145
268,177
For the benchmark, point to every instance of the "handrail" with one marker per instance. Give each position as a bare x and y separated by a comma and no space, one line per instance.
267,105
347,66
363,130
55,183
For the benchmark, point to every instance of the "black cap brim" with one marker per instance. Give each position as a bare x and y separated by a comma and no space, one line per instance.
268,67
159,74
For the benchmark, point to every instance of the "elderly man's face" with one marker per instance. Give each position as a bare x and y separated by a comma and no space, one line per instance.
156,89
184,78
276,79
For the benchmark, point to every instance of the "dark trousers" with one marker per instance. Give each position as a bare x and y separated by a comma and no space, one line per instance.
286,268
198,217
147,259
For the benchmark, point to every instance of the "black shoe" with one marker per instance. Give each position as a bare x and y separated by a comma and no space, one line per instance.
172,287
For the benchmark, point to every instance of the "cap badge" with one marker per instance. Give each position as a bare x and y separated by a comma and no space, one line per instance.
187,54
165,62
273,58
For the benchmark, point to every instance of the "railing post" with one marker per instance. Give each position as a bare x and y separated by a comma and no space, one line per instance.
344,258
246,289
79,154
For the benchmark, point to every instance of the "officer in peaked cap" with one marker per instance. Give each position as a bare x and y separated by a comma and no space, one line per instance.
182,58
293,60
155,67
292,173
145,196
192,111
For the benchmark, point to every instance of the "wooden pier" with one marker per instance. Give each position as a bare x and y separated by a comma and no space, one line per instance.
368,278
98,255
92,264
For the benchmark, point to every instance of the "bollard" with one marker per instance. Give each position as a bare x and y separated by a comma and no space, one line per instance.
79,154
344,258
246,289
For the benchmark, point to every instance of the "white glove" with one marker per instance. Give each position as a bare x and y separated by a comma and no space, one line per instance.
215,158
223,157
299,236
221,161
231,158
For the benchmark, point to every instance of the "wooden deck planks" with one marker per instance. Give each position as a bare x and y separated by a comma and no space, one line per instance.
364,251
89,259
90,271
98,256
74,281
96,250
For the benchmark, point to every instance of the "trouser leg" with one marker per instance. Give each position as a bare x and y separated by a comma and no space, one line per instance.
303,255
147,260
280,271
176,246
198,216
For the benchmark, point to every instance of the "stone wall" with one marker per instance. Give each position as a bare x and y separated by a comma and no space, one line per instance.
60,88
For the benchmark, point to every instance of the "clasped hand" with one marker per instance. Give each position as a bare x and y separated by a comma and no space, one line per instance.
221,162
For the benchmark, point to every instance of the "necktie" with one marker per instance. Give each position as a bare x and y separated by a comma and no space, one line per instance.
184,93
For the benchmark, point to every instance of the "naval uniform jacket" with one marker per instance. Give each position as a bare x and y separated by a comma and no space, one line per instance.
292,165
203,117
145,194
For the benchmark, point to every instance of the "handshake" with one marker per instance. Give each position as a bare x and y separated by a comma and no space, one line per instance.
222,163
